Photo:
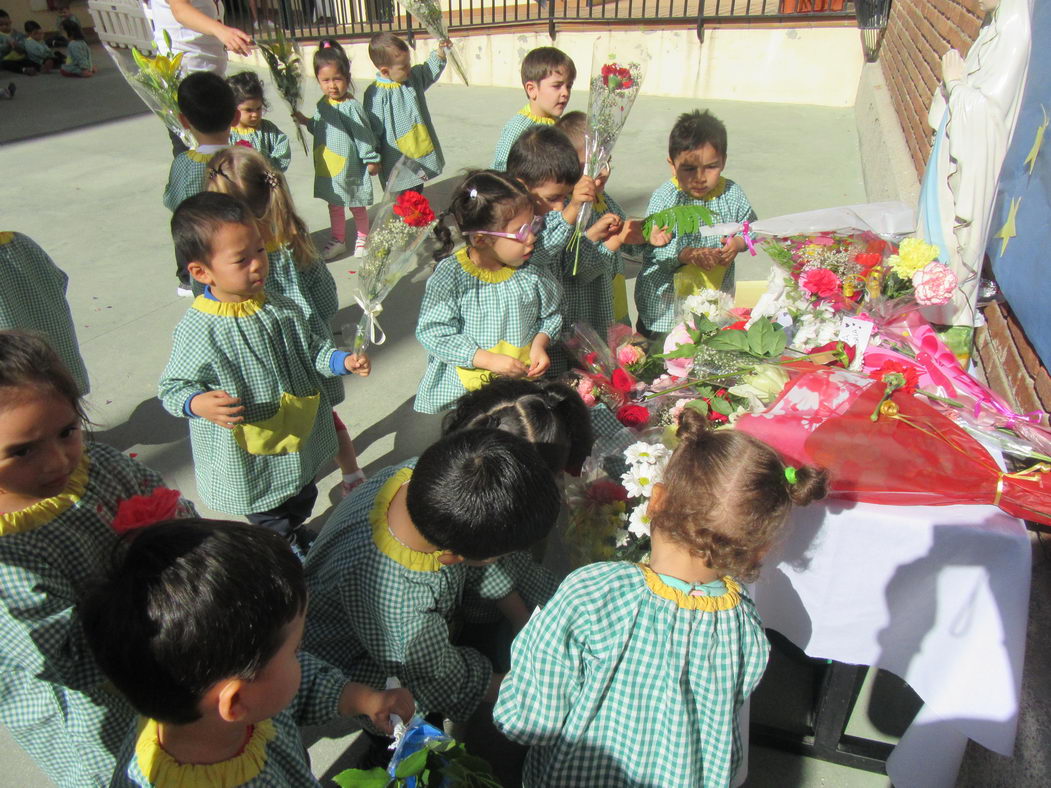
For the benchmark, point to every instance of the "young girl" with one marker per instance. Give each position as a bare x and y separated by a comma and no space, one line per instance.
634,674
296,271
346,152
250,125
58,502
78,54
484,311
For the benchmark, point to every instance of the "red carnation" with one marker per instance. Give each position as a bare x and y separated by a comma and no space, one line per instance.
900,376
868,260
820,282
140,510
414,209
876,246
633,416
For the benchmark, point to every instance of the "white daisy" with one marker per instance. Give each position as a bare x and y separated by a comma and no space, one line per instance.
638,481
639,522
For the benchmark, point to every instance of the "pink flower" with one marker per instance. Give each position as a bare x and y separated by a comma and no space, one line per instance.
629,354
677,367
586,390
823,240
934,284
820,282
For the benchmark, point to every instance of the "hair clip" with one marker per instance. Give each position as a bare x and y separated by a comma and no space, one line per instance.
472,193
214,173
790,474
271,179
326,44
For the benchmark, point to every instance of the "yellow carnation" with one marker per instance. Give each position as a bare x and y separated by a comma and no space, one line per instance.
913,254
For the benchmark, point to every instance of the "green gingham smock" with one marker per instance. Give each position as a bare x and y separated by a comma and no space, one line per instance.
517,571
268,139
378,609
624,680
521,121
314,290
256,350
402,123
186,177
53,697
466,308
343,145
655,286
78,58
33,298
273,757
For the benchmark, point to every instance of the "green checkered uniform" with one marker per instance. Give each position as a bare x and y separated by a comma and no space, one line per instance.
402,123
78,58
343,145
623,680
378,609
284,761
53,697
520,122
268,139
256,350
516,571
655,286
314,290
33,298
186,177
465,309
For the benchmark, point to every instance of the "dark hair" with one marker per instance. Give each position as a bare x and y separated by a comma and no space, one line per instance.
330,53
188,603
4,13
726,496
27,361
30,26
542,62
197,220
694,130
548,414
573,124
207,102
383,47
543,154
482,493
246,86
72,29
484,200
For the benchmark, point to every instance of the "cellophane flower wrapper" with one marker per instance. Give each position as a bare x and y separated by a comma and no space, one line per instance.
430,14
401,225
285,60
418,733
155,79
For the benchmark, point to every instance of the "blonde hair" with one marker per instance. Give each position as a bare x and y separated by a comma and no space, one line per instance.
245,174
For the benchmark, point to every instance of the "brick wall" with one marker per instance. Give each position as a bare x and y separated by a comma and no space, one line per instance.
918,33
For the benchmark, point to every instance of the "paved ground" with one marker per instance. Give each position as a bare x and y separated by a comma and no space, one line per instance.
91,198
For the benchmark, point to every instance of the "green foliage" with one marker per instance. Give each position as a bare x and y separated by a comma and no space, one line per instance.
359,778
439,761
780,254
680,220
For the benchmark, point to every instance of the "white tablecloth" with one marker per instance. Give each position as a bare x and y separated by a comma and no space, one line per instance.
937,595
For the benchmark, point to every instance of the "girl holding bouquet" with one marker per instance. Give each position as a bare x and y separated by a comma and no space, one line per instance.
634,673
484,312
60,504
296,270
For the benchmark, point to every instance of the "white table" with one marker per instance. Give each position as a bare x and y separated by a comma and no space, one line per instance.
937,595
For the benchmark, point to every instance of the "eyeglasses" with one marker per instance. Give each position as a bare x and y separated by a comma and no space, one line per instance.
522,236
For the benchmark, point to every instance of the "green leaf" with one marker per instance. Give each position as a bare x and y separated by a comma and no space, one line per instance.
698,405
413,765
703,325
168,40
766,339
682,351
680,220
723,406
730,340
359,778
140,59
475,764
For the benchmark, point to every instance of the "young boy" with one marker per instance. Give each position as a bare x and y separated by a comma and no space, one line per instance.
208,109
697,155
387,573
246,370
397,109
42,56
547,76
198,625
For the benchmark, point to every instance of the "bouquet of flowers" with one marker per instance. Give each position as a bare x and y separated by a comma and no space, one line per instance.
429,12
285,60
400,227
155,79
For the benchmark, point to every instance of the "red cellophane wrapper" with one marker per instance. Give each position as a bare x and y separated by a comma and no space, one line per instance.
918,457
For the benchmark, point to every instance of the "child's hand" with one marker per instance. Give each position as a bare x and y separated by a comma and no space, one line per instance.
703,257
443,48
731,246
300,118
659,236
538,358
373,167
604,228
377,705
631,232
499,364
218,407
359,364
583,191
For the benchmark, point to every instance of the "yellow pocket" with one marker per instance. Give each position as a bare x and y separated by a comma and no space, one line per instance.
690,279
620,298
473,379
285,431
416,143
327,163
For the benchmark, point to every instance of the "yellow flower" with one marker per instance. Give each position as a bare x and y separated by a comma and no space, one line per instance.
913,254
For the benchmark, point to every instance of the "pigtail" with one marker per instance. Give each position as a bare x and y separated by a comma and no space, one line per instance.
693,427
484,200
806,484
571,412
444,236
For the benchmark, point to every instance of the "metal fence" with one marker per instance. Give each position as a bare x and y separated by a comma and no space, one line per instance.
313,19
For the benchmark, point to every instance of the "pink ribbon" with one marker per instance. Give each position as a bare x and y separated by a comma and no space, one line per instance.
749,237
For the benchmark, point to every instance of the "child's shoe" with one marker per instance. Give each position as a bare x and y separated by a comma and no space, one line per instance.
359,245
333,249
9,91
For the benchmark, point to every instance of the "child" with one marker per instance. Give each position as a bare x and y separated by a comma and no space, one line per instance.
33,298
207,108
56,39
246,369
386,573
43,56
346,152
397,109
58,501
12,53
634,674
484,311
251,126
697,155
78,55
296,270
198,625
547,76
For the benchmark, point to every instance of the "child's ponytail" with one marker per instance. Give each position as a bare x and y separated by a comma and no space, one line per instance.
444,236
484,200
806,484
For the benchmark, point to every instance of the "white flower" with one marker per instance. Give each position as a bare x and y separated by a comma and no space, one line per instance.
639,522
645,453
639,480
712,304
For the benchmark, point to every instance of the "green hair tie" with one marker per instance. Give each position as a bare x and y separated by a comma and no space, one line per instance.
790,474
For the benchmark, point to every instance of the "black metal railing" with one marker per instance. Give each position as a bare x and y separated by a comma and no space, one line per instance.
314,19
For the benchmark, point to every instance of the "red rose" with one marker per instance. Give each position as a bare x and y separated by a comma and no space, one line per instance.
606,491
868,260
840,353
140,510
622,381
414,209
633,416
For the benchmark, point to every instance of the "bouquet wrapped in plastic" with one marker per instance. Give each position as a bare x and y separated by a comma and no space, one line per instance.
429,12
285,60
155,79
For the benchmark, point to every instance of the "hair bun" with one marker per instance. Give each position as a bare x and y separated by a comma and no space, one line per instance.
811,485
693,426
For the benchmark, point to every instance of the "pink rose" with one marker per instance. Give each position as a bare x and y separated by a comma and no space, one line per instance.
586,390
629,354
820,282
934,284
677,367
